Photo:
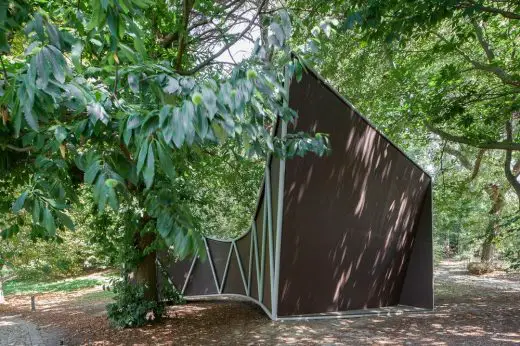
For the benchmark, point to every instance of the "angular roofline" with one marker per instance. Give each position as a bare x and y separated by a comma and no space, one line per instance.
351,106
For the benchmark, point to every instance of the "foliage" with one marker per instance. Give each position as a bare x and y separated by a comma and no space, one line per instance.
171,296
224,185
92,246
87,97
441,80
130,309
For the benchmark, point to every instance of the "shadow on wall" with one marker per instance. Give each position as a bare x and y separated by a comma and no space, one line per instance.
349,219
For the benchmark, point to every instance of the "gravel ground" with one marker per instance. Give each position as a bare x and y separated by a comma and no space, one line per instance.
470,310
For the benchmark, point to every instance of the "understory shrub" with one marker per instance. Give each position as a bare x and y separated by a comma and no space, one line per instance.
479,268
171,296
130,308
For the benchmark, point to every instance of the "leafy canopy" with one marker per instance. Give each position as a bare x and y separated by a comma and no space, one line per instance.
91,96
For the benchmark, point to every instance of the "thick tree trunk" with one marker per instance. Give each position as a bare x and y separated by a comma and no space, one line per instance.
488,252
493,229
146,272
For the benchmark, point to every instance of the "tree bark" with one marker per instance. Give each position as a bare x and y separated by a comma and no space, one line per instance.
146,273
496,193
488,251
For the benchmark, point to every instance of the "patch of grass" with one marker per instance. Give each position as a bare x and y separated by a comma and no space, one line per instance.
97,296
25,287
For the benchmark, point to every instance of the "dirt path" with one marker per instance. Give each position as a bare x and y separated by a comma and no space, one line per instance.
16,331
469,311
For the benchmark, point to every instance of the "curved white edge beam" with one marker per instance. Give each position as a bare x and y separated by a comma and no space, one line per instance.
210,297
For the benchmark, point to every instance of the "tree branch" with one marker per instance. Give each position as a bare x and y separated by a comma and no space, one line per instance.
503,13
19,150
187,7
460,156
4,69
503,145
505,77
485,45
226,46
478,162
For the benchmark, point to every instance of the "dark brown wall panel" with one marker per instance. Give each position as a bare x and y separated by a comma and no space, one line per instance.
348,217
275,182
201,280
177,271
234,283
417,289
266,298
253,291
219,253
243,247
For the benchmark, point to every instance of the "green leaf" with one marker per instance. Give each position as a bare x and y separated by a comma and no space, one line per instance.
164,114
53,34
166,162
60,133
277,38
113,202
97,112
133,82
165,224
19,203
149,170
75,54
31,119
172,86
43,69
210,102
219,132
36,211
92,172
59,66
142,156
177,128
48,222
9,232
66,220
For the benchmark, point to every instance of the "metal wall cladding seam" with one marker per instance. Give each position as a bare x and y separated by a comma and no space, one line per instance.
349,218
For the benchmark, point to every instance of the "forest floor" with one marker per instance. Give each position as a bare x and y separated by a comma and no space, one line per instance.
470,310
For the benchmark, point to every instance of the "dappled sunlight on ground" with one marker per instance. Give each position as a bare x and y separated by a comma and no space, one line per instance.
469,311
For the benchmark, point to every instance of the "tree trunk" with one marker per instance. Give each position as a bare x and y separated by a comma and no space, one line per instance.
493,229
488,252
146,272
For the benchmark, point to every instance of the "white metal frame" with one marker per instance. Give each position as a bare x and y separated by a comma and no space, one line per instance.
269,243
